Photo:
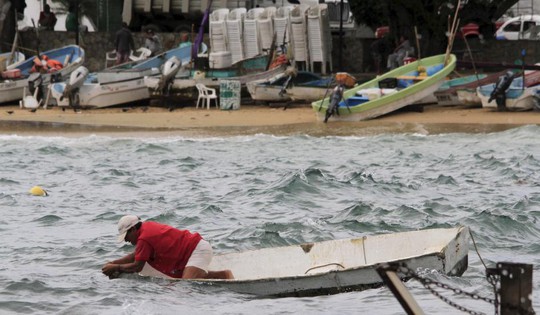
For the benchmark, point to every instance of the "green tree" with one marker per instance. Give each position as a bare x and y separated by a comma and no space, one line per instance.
432,18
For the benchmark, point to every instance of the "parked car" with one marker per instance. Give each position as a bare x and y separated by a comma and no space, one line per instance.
520,27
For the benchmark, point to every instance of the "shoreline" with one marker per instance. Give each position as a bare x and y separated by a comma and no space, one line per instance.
252,119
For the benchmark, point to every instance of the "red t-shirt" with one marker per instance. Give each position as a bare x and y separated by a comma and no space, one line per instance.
165,248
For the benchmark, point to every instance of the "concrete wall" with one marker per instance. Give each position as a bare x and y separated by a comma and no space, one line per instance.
356,57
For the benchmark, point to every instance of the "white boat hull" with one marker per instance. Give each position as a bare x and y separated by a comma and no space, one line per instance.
106,95
267,93
13,90
308,94
469,97
526,101
340,265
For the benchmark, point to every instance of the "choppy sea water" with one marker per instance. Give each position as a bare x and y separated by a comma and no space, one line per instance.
249,192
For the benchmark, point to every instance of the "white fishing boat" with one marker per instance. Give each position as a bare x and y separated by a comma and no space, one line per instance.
517,97
338,265
8,59
117,85
290,85
521,95
15,78
244,71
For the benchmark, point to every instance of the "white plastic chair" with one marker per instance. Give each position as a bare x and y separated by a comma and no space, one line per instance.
206,95
110,57
140,54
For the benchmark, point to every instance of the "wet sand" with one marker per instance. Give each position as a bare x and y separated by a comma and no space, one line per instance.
297,119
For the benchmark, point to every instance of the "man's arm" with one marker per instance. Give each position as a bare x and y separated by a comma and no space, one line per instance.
126,264
129,258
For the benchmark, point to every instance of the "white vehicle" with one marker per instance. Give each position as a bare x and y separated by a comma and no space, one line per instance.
521,27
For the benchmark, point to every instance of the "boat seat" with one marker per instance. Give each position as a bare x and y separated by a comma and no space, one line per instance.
206,95
412,77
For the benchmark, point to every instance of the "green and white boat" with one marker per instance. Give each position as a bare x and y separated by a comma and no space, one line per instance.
391,91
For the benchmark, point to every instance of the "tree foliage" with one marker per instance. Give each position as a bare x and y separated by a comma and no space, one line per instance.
432,18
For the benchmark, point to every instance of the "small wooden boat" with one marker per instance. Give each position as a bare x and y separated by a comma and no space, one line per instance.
12,87
339,265
290,85
447,93
519,96
405,85
116,85
466,93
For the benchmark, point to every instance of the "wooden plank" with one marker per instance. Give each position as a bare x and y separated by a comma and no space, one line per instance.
411,77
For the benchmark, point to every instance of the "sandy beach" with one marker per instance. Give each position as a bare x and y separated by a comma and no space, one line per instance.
252,119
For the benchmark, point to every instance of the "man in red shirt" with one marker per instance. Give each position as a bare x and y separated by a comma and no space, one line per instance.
172,252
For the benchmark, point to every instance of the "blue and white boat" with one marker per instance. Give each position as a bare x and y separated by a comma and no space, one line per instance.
12,88
116,85
519,96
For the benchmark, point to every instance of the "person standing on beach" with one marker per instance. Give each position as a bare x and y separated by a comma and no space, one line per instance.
184,40
123,44
152,42
172,252
47,19
71,19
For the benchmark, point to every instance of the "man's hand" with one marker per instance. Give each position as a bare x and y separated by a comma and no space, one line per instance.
111,270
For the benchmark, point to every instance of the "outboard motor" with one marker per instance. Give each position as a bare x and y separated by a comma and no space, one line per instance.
499,92
33,93
35,83
169,71
335,98
56,77
76,80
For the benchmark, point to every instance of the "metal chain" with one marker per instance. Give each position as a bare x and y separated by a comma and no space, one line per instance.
427,283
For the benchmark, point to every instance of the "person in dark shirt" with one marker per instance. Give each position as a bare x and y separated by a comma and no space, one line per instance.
71,19
47,19
123,44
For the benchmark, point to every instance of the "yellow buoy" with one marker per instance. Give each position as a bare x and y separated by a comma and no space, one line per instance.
38,191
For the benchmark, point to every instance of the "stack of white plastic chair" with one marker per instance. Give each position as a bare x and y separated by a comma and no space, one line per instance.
297,24
235,33
281,25
252,46
218,30
319,37
265,25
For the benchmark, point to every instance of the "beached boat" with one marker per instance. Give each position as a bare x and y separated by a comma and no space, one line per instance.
446,94
403,86
15,78
519,96
246,70
466,93
290,85
338,265
7,59
117,85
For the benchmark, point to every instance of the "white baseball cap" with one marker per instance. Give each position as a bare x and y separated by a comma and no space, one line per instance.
124,224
